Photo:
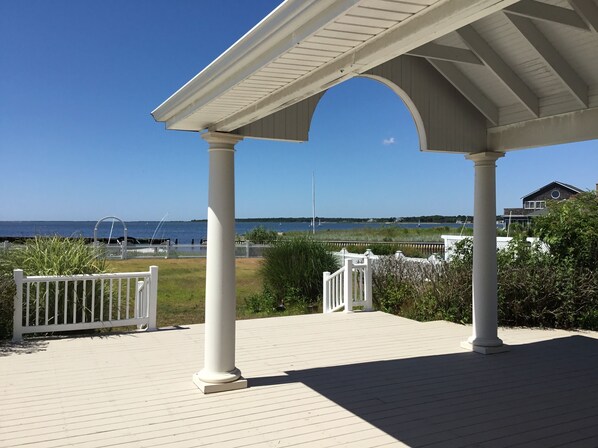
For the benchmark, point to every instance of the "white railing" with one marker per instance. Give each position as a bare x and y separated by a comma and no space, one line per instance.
164,250
349,287
502,242
80,302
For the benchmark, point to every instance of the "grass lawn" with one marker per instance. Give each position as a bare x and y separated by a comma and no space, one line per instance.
182,284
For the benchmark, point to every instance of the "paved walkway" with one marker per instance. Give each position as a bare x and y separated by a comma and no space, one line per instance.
355,380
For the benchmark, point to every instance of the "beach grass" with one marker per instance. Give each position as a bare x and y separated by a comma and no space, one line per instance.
390,233
182,282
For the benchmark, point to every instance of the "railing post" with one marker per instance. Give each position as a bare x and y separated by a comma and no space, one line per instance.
326,294
367,275
17,326
139,299
343,253
153,298
167,250
348,286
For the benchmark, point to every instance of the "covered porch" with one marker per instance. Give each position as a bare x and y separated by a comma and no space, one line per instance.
479,77
355,380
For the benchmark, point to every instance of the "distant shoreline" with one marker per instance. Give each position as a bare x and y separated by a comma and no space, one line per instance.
424,219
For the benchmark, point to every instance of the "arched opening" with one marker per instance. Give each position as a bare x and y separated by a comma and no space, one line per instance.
358,131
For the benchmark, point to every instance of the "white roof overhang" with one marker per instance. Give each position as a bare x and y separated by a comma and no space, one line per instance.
530,67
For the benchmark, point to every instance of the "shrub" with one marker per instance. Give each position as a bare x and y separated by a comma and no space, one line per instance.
570,228
7,293
44,256
261,235
535,289
292,270
423,291
263,302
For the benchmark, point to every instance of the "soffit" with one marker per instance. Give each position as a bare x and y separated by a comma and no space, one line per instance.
341,33
528,59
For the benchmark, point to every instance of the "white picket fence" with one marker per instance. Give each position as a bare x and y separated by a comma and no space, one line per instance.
46,304
349,287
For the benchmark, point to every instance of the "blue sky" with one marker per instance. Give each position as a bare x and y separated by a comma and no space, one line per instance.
77,142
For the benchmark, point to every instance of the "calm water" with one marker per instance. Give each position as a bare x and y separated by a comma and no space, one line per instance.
183,231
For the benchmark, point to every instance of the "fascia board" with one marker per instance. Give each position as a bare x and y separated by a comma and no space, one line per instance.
278,32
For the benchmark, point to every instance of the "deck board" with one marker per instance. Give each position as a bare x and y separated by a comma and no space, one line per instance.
360,379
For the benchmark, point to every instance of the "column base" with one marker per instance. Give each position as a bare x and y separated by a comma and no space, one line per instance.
485,350
210,388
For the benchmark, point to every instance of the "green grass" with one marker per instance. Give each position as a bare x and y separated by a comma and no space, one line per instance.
181,286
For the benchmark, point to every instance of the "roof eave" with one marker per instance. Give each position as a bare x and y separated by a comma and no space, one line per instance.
268,34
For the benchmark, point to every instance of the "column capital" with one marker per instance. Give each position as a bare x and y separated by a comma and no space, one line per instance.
484,158
221,140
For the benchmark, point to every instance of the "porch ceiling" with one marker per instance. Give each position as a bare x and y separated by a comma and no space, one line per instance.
518,62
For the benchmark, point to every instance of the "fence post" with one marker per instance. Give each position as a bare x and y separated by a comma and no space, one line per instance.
368,285
17,326
247,243
167,250
153,299
6,245
326,294
348,285
343,253
139,299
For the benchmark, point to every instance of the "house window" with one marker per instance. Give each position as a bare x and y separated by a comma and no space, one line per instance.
555,194
534,205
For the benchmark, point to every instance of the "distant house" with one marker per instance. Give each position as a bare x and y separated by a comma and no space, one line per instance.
534,203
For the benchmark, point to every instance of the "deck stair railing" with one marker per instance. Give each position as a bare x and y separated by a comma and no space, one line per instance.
46,304
349,287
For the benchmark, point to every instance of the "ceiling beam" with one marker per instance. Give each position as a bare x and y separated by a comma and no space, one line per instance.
561,68
569,127
588,10
500,68
468,89
445,53
548,13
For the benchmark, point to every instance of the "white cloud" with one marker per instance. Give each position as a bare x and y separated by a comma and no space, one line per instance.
389,141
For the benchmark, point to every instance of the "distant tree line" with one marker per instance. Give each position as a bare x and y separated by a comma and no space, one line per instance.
423,218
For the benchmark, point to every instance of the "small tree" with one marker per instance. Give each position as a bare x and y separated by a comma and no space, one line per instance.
570,228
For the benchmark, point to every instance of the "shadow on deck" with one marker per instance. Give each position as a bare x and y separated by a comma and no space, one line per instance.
539,394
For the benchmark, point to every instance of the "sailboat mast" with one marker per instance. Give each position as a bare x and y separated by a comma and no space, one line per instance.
313,200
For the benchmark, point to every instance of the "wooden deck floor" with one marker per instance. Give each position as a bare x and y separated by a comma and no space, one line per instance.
352,380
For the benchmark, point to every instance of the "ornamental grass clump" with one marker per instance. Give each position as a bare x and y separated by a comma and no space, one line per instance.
45,256
292,271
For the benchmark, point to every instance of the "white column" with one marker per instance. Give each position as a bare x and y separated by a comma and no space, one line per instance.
219,372
485,305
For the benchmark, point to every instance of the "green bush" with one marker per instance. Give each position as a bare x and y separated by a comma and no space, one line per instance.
538,289
7,293
44,256
292,270
570,228
263,302
261,235
535,289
